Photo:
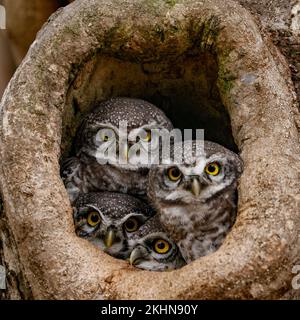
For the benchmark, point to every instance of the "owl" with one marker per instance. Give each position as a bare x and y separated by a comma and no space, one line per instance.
196,196
96,169
109,220
153,249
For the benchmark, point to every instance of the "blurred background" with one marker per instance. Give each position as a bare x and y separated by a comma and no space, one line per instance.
24,18
279,18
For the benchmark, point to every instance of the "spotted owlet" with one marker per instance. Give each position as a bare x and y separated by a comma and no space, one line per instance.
109,220
90,170
195,197
153,249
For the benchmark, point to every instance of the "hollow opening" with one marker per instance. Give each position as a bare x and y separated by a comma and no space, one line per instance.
185,89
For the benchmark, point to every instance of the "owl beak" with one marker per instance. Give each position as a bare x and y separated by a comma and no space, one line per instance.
109,238
196,188
123,150
135,256
126,152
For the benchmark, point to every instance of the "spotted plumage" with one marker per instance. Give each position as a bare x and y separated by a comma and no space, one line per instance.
153,249
86,172
109,220
195,199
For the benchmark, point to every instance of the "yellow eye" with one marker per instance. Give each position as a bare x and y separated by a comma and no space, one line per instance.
174,174
213,168
93,218
161,246
106,135
105,138
131,225
148,136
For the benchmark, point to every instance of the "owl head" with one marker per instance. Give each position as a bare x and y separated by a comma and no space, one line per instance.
109,219
102,132
203,172
153,249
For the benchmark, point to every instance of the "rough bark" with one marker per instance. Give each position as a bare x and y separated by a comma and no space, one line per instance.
281,20
80,57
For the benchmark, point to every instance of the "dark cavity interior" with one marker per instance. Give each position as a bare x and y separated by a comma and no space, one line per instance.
185,88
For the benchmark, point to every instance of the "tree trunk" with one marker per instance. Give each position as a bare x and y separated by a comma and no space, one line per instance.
209,56
280,19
